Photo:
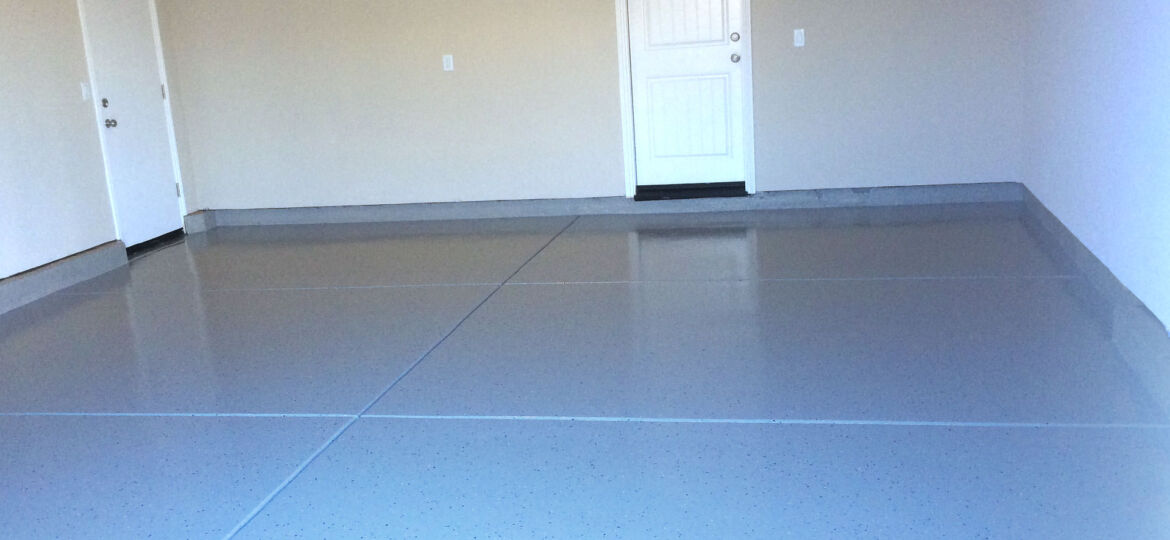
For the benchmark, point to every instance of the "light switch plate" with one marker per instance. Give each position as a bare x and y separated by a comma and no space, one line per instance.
798,37
448,63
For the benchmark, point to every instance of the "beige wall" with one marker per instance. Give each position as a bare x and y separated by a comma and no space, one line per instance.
53,199
1099,138
309,103
888,92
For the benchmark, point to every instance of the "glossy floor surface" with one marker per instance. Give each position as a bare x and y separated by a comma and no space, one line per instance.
918,372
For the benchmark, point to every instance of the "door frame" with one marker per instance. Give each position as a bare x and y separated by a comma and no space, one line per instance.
626,95
172,139
165,95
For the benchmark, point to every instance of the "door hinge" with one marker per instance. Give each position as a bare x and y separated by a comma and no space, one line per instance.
177,192
163,87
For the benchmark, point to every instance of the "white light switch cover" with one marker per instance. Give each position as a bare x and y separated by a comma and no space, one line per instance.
448,63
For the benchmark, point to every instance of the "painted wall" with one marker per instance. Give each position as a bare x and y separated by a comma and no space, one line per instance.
1098,144
310,103
888,92
53,199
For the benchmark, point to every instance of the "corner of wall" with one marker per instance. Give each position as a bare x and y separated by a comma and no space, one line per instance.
1140,338
199,221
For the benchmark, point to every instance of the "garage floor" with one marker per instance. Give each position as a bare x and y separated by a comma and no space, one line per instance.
913,372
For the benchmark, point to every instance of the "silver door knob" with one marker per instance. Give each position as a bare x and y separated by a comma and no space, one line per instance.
734,58
735,36
111,123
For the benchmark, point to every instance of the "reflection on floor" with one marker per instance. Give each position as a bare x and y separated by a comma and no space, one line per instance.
906,372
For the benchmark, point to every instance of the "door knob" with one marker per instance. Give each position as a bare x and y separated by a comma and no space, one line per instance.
111,123
734,58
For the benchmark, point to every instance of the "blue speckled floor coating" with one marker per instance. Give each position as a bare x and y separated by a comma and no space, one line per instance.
915,372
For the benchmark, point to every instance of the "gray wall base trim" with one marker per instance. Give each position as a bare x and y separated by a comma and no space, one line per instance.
1138,336
768,200
31,285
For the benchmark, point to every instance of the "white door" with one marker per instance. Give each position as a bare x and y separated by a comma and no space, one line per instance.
690,71
129,97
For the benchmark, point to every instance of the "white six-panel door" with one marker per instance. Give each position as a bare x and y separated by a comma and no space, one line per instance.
690,70
120,43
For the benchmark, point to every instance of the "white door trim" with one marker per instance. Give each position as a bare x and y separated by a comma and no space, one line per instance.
170,119
625,88
626,93
749,110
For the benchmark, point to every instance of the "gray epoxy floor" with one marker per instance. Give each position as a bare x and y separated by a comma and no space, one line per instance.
918,372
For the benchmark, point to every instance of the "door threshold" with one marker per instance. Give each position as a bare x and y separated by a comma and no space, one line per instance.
155,244
690,191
